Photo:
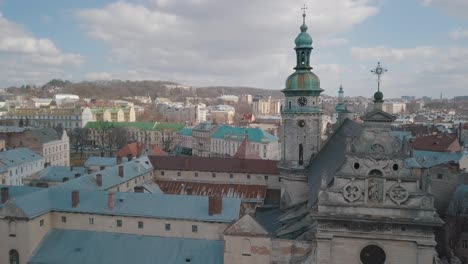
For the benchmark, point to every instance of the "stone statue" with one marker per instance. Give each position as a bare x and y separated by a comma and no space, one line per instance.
373,190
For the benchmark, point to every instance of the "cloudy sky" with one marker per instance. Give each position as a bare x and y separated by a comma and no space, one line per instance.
422,43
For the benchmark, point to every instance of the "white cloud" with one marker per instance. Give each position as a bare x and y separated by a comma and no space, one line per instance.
451,7
207,42
426,68
459,34
328,42
24,58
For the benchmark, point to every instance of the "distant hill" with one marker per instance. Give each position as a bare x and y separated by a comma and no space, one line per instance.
118,89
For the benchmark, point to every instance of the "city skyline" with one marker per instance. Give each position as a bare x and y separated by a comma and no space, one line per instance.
246,43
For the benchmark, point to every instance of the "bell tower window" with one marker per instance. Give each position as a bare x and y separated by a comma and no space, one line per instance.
289,105
301,155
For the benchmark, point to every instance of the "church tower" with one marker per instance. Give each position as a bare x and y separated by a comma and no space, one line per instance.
301,123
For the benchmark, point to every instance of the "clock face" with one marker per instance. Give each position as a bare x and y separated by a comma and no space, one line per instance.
301,123
302,101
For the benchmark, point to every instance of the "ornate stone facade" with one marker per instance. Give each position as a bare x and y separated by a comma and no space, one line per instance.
375,209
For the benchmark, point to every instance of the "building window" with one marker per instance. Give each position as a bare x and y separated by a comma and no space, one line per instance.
64,219
194,228
213,175
266,177
246,247
140,224
440,176
162,173
248,176
119,223
41,222
279,179
231,175
178,173
465,244
91,221
196,174
14,256
168,227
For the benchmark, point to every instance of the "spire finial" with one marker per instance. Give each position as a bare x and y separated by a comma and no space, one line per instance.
379,70
304,14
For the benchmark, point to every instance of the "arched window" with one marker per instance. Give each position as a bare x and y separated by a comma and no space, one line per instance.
301,155
12,228
375,173
289,105
372,254
14,257
246,247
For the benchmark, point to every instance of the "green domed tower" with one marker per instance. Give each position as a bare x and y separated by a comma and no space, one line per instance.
301,131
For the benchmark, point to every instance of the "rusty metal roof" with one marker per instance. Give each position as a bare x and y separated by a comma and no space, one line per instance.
248,193
182,163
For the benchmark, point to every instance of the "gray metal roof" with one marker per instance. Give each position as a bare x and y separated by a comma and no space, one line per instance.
88,247
331,157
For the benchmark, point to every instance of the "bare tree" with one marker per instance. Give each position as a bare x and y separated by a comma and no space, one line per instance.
79,138
167,140
117,138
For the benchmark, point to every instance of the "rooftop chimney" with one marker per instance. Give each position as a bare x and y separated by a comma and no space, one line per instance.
139,189
215,205
110,200
99,180
121,171
75,198
129,156
77,175
119,159
71,168
64,179
137,162
5,194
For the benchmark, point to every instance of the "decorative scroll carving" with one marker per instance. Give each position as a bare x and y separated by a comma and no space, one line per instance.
398,193
351,191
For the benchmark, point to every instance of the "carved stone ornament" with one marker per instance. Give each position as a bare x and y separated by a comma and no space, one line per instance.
398,193
324,196
376,151
351,191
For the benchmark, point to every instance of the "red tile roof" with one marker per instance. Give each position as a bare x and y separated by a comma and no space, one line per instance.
137,148
242,191
233,165
246,151
439,142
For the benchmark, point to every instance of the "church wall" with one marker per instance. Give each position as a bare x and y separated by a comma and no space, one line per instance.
22,236
246,250
347,250
288,251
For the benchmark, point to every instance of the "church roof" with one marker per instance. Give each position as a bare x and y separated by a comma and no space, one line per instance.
330,157
377,115
246,151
